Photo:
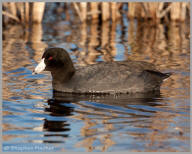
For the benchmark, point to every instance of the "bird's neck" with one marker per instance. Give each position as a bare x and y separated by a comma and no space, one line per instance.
62,75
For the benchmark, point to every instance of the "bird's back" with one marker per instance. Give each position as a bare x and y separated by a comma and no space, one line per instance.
113,77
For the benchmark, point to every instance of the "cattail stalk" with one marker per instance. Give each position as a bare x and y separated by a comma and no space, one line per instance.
94,10
27,12
38,11
105,11
83,6
113,11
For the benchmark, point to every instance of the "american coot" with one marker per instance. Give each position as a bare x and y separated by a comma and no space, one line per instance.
103,77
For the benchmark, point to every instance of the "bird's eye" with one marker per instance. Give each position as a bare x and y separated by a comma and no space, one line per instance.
50,58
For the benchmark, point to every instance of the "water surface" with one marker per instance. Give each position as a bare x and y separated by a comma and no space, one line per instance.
36,119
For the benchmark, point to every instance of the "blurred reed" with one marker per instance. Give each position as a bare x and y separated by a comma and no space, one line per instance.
174,11
25,12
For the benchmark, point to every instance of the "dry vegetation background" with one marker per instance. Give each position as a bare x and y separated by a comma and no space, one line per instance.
26,12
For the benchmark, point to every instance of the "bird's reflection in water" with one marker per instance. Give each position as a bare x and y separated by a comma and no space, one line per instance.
123,105
57,128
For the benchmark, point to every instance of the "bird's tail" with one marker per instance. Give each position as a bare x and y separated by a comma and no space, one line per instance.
166,75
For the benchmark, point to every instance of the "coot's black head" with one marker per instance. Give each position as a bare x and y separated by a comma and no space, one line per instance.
55,60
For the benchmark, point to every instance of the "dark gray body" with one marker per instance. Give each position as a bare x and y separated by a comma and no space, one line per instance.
112,77
103,77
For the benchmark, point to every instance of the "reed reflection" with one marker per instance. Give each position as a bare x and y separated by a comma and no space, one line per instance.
93,53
